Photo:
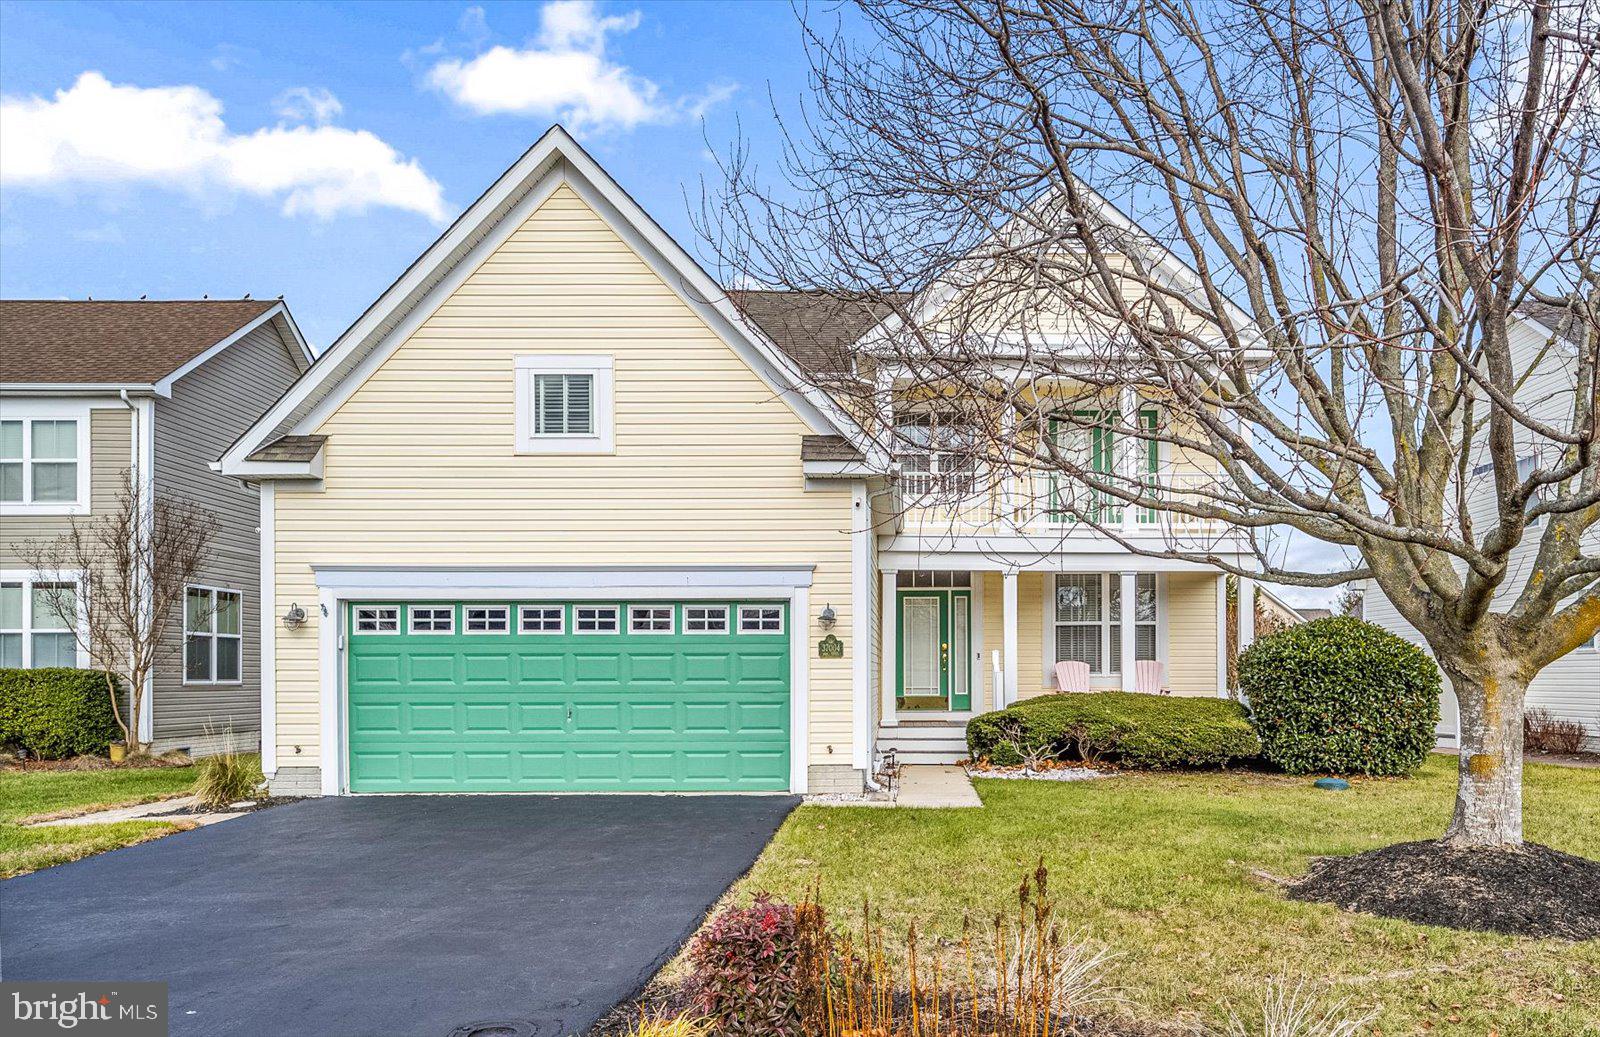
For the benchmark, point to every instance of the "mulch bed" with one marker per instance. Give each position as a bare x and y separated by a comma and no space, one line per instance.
1527,891
10,763
665,1000
261,803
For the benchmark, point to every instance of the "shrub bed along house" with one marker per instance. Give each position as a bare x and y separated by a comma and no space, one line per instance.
56,712
1343,696
1133,730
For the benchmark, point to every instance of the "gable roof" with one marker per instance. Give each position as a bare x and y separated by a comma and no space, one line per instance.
121,343
555,159
816,328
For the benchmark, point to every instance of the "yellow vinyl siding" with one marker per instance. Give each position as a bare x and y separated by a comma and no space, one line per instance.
421,468
1192,633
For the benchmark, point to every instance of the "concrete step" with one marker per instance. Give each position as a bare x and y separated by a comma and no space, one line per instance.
911,757
942,743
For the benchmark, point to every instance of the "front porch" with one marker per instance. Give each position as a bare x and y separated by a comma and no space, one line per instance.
954,643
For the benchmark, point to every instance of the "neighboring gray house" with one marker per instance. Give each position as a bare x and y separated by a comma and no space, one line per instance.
92,390
1543,348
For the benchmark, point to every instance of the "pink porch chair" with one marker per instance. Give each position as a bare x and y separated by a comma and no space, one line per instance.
1148,677
1072,676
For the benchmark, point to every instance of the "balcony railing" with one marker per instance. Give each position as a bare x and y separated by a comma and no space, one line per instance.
970,502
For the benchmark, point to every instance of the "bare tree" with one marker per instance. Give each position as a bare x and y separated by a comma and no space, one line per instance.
117,580
1358,273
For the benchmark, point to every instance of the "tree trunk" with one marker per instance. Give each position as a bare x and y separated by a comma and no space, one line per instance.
1489,791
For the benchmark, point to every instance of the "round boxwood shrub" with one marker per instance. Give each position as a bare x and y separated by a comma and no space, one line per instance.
56,712
1341,696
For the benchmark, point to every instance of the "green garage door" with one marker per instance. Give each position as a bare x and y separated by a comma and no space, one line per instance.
568,696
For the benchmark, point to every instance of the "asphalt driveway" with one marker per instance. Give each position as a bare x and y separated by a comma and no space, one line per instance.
394,915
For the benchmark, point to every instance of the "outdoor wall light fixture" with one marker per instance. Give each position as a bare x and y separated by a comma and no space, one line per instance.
295,618
828,618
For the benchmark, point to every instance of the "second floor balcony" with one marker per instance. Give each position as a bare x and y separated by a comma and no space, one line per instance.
973,501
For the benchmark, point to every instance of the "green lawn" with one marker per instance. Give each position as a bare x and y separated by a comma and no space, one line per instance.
1158,868
25,793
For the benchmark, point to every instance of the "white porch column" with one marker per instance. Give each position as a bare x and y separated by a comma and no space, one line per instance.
1008,611
1247,613
888,612
1129,595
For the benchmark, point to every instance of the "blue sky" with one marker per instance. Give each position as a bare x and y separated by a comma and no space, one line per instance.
313,150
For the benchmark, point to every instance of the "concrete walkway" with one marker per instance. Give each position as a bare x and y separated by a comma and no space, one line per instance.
926,785
1583,761
143,812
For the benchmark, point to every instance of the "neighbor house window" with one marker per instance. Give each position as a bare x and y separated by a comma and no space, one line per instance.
1088,614
37,618
564,404
42,464
595,619
542,619
705,619
433,619
212,636
650,619
760,619
488,619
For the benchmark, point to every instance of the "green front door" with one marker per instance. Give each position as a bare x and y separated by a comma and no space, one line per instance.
568,696
934,631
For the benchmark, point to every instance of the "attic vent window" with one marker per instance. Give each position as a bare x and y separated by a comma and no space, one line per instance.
564,404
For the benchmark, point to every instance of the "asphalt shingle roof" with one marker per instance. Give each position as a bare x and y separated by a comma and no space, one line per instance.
816,329
115,343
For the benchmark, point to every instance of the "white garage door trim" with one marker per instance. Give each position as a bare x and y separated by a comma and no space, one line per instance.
337,584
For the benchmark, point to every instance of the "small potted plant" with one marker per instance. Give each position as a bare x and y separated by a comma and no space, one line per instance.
118,751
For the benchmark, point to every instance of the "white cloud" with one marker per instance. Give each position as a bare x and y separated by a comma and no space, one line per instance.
565,73
98,132
308,104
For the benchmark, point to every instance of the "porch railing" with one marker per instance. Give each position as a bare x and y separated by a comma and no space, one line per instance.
967,502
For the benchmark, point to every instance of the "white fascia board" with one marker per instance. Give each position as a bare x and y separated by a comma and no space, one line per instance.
76,388
839,470
573,166
594,582
254,470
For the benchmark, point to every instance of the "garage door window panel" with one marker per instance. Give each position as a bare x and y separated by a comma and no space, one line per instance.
487,619
760,619
433,619
596,619
705,619
543,619
650,619
377,619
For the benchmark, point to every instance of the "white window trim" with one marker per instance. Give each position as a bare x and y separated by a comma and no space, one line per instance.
616,618
214,635
355,621
28,578
466,624
727,620
1108,638
29,411
672,620
561,615
411,620
599,366
747,608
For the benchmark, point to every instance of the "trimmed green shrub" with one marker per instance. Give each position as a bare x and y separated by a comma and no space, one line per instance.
56,712
1134,730
1341,696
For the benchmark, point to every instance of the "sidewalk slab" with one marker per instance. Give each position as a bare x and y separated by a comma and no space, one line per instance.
936,786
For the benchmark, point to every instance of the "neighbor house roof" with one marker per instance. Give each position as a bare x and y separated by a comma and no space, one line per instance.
117,343
815,328
1558,320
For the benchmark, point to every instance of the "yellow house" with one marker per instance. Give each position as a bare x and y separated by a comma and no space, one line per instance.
556,513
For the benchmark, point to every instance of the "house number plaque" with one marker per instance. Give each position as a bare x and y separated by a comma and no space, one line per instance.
830,647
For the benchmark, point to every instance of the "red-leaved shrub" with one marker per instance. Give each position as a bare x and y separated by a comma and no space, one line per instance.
747,971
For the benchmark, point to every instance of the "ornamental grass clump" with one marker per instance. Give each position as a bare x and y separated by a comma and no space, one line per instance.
1340,696
227,778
